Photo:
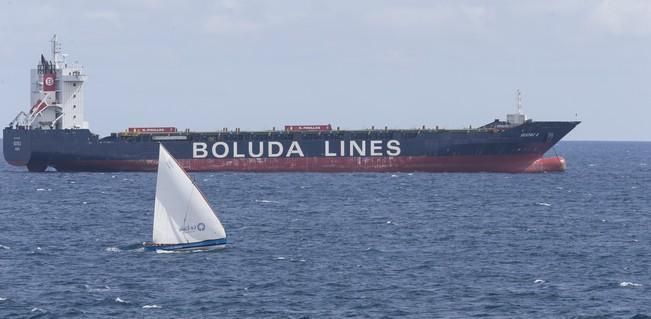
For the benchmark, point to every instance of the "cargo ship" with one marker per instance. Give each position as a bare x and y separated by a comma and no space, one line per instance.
54,133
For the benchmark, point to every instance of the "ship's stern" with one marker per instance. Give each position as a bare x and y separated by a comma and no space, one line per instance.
16,146
17,149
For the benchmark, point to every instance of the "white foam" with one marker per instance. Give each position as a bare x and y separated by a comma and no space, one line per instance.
35,309
3,299
280,258
265,201
410,174
629,284
163,251
105,288
40,189
544,204
112,249
394,175
85,203
538,281
151,307
72,182
4,247
118,299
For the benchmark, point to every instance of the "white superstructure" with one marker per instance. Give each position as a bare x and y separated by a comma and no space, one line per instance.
57,93
519,117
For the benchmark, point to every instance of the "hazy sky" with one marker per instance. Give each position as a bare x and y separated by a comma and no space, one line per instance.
257,64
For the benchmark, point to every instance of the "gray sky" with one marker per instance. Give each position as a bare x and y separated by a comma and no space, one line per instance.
254,64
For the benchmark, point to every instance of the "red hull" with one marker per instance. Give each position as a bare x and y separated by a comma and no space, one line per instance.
505,164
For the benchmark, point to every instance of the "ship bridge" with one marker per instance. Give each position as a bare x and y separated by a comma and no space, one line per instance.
57,94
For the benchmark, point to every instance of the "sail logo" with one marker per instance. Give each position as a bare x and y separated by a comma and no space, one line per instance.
193,228
274,149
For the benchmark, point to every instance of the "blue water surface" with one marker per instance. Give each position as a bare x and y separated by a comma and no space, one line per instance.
557,245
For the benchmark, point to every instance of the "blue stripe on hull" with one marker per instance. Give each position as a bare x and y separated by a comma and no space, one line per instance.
202,245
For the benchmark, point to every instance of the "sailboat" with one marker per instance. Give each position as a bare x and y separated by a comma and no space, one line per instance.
183,218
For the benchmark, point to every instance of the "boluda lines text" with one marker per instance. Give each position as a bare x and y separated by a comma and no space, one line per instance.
266,149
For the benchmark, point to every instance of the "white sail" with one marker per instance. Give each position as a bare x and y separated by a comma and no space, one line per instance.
181,212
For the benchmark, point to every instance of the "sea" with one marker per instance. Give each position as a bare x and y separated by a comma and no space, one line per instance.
575,244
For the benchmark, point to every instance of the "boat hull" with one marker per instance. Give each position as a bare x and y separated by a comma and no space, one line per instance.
513,150
205,245
506,164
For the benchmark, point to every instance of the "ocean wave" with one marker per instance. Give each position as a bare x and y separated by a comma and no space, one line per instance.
36,309
544,204
163,251
129,247
151,307
266,201
120,300
102,289
629,284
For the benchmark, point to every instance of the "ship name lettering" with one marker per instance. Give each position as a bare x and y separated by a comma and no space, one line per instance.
253,150
532,134
274,149
393,148
361,148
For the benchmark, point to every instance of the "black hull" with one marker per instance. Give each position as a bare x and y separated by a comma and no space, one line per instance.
513,149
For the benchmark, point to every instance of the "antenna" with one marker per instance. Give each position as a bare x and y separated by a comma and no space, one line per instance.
519,101
54,46
57,57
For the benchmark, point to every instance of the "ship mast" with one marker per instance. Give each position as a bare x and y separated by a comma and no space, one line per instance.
57,57
519,101
519,117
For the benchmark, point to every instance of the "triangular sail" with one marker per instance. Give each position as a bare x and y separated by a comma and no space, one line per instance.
181,212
